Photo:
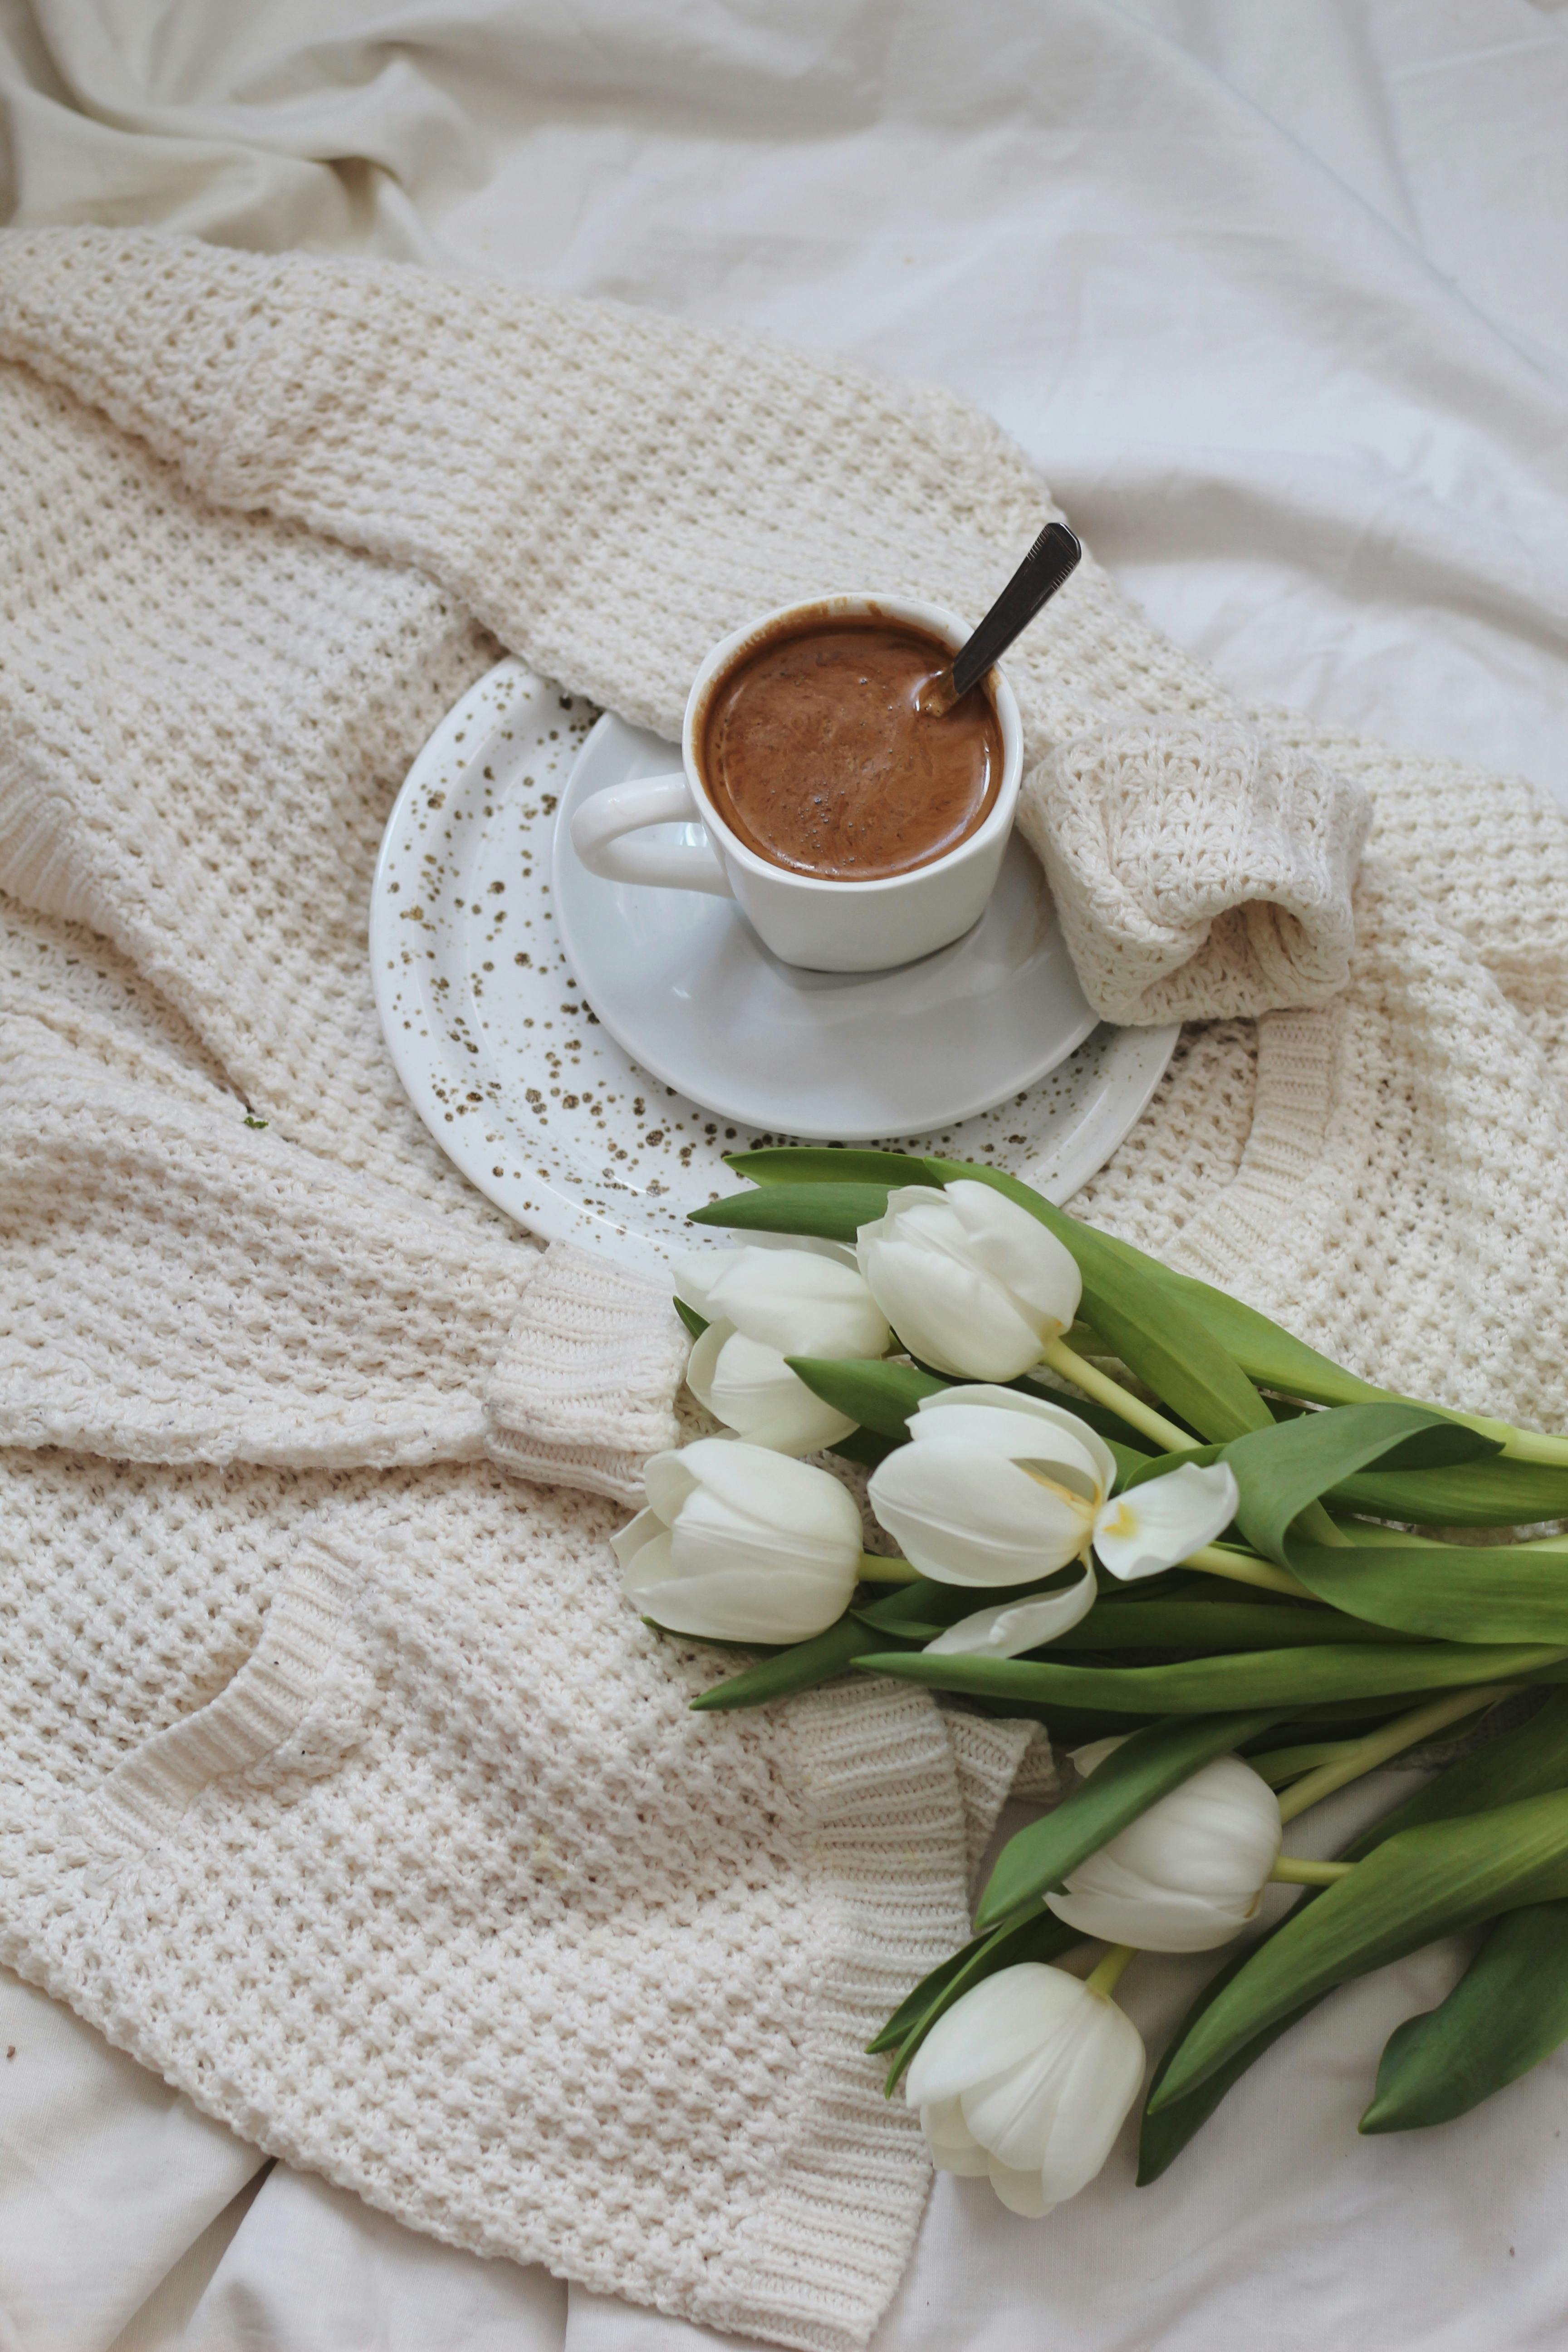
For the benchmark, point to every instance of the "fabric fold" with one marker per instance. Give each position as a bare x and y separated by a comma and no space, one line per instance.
1200,871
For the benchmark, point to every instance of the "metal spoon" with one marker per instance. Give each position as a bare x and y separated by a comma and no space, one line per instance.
1051,560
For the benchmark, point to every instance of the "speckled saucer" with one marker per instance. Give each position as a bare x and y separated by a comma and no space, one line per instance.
501,1047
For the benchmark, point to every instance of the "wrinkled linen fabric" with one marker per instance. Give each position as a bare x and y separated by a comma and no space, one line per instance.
1293,352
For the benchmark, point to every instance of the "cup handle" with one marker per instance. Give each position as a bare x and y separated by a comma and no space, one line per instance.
597,827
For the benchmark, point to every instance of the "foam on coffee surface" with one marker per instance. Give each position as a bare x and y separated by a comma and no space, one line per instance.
814,755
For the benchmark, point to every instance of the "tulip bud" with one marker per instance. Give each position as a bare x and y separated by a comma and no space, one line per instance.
739,1544
804,1302
1027,2079
972,1284
1187,1874
763,1304
999,1488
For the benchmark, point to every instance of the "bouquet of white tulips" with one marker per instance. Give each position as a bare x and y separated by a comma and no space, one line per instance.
1139,1511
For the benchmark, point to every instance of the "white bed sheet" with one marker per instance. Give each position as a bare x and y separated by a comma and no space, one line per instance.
1278,297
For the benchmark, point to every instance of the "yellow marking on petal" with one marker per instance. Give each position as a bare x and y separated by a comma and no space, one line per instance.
1124,1522
1067,1495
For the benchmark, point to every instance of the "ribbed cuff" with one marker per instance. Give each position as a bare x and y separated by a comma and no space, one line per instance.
1200,871
584,1390
818,2264
988,1754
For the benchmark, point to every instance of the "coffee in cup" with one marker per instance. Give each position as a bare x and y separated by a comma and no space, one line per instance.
816,754
854,833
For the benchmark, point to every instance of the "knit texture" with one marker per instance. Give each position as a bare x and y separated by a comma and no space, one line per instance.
611,492
1199,867
343,1787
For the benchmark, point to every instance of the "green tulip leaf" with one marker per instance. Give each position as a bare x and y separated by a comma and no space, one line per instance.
1207,1627
805,1163
1266,1352
1419,1884
1526,1761
1495,1493
799,1668
1270,1355
865,1448
947,1973
879,1396
830,1212
695,1324
1146,1767
1281,1469
1468,1592
1487,1494
1160,1466
1507,2012
1293,1678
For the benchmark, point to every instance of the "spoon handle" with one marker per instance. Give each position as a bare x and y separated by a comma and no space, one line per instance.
1053,557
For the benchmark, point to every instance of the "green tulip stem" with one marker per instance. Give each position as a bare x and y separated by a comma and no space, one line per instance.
1242,1567
1107,1973
874,1568
1279,1765
1364,1755
1290,1872
1115,1399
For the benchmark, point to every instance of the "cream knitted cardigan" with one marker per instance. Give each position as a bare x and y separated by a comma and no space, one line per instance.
341,1788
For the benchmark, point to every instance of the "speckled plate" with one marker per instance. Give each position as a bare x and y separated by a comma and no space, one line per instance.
513,1071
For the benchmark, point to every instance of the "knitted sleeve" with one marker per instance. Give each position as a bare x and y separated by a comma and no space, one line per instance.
178,1286
1488,853
610,491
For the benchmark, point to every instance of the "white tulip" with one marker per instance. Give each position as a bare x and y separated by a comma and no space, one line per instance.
996,1488
751,1389
961,1508
1028,2079
804,1302
1187,1874
760,1305
739,1544
971,1283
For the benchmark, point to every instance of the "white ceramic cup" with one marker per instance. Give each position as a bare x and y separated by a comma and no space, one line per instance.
820,921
